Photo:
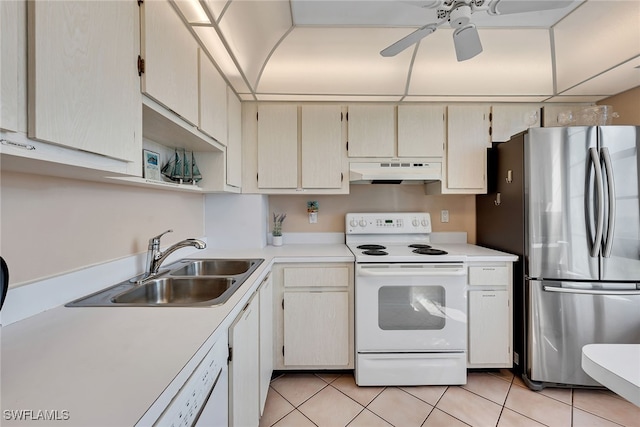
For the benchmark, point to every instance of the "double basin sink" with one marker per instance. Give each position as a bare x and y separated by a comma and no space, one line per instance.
185,283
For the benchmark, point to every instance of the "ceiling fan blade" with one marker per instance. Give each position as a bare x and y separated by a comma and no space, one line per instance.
467,42
506,7
407,41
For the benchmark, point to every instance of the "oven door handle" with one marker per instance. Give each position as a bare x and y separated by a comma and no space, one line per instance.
411,270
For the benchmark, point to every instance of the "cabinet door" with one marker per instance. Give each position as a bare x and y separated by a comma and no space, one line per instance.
316,328
371,131
213,100
468,140
9,83
508,120
83,84
234,140
171,60
244,395
277,146
489,327
421,131
321,146
266,338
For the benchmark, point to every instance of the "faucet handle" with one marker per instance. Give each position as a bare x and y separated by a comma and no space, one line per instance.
156,240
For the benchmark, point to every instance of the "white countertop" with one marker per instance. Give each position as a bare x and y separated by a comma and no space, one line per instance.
107,365
615,366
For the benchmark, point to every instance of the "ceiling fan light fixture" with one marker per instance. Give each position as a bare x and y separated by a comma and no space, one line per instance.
467,42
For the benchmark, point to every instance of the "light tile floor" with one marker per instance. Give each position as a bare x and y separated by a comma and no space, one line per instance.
488,399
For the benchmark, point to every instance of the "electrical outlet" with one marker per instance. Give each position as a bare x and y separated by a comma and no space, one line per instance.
444,215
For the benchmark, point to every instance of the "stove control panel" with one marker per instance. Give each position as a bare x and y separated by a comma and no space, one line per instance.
388,223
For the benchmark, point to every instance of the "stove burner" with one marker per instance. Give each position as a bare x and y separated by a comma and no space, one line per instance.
419,246
375,247
429,251
375,252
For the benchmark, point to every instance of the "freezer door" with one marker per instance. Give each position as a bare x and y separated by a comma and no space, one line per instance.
565,316
561,203
619,147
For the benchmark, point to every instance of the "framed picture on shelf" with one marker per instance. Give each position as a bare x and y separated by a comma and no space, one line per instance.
151,165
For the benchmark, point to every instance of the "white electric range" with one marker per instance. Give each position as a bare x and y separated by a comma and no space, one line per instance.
410,302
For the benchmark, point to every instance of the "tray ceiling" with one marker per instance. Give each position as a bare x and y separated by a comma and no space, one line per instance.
328,50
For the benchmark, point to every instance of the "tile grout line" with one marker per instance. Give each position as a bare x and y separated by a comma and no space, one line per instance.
281,418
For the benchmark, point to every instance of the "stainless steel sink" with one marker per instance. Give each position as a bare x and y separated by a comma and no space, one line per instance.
216,267
185,283
179,291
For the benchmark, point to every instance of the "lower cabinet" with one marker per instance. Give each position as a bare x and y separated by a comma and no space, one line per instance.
314,316
490,322
266,338
251,358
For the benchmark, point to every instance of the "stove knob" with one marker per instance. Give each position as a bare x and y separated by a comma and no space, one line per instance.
353,223
424,222
363,223
415,222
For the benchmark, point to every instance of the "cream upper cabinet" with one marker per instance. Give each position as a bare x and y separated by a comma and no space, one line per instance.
234,140
321,146
466,153
170,54
83,86
213,100
421,130
9,74
510,119
371,130
294,149
278,146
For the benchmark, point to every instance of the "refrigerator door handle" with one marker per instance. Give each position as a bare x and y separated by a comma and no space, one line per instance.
590,291
595,160
608,242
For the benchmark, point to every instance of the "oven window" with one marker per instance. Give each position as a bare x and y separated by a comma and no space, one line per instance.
411,308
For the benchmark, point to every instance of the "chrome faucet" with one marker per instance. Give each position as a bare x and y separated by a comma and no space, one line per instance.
155,257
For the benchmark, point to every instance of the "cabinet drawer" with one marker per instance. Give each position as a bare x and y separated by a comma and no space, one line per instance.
489,275
332,277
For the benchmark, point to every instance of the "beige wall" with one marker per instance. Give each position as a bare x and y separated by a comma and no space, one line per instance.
627,105
376,198
53,225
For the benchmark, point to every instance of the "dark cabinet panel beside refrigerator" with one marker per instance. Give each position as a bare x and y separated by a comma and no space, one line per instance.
566,201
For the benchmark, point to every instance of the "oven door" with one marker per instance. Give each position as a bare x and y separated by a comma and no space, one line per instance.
411,307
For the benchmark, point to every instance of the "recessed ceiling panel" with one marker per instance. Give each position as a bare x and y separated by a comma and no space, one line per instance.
252,29
513,62
596,37
328,98
334,61
401,13
460,98
619,79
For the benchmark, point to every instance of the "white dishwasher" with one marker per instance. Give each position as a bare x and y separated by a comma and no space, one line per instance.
199,400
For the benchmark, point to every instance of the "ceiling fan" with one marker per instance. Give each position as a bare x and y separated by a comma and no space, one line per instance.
458,13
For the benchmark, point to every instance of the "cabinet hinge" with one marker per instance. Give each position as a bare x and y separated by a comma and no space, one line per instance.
257,180
230,357
257,115
283,304
140,65
341,177
347,116
140,2
490,117
490,130
283,351
347,145
341,117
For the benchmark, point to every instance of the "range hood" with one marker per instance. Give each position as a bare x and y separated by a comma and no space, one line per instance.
395,172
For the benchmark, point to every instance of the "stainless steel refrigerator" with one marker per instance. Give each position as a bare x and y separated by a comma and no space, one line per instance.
566,200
